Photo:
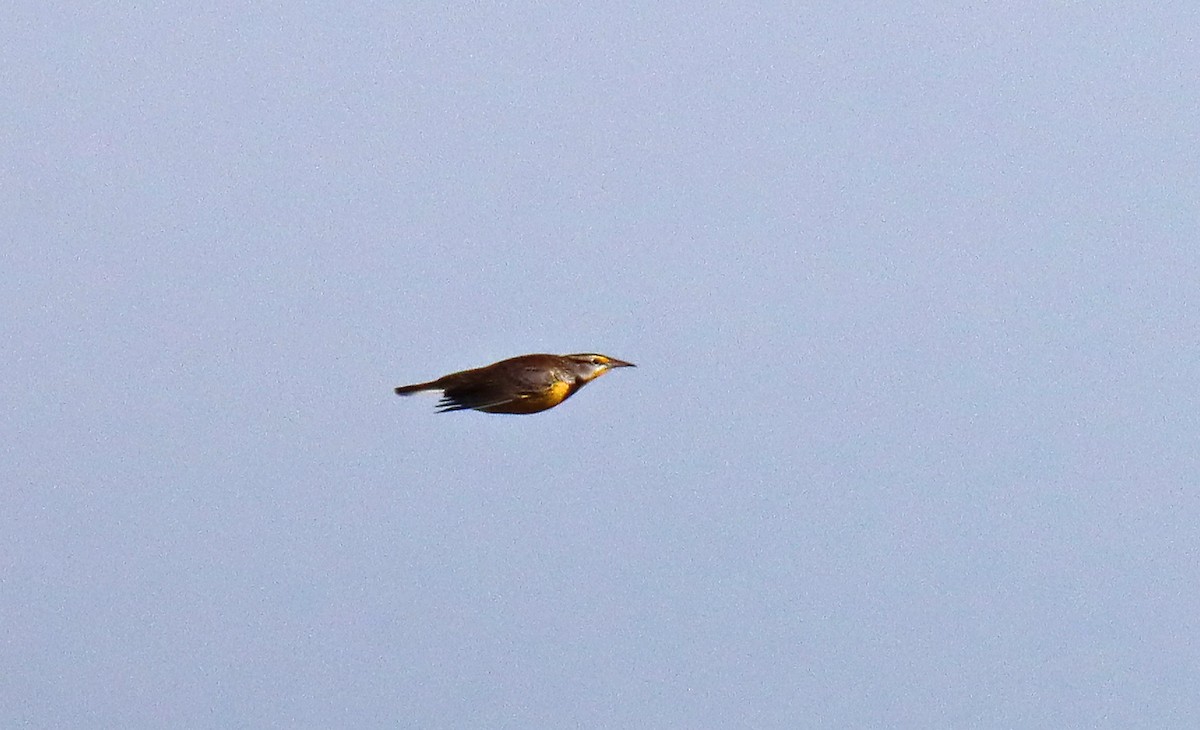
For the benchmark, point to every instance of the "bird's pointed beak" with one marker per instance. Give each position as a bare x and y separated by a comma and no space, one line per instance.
615,363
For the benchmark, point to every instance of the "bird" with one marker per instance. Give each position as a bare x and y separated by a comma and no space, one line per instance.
523,384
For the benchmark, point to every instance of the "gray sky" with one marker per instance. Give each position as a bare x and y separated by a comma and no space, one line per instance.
913,293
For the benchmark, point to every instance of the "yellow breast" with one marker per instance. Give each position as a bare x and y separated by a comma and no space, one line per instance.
535,402
548,398
557,393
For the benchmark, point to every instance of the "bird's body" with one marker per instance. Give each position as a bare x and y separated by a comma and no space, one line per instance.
525,384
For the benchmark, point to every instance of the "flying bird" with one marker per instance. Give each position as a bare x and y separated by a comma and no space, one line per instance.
525,384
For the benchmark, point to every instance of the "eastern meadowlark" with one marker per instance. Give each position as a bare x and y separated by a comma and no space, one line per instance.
525,384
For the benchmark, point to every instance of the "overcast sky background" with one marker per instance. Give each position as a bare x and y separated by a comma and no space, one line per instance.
913,439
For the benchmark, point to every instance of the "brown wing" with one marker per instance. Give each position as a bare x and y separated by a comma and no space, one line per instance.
479,397
517,387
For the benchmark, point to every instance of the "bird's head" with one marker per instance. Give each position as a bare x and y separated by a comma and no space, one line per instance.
588,366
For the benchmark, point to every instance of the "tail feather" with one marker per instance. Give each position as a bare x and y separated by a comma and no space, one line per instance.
416,388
